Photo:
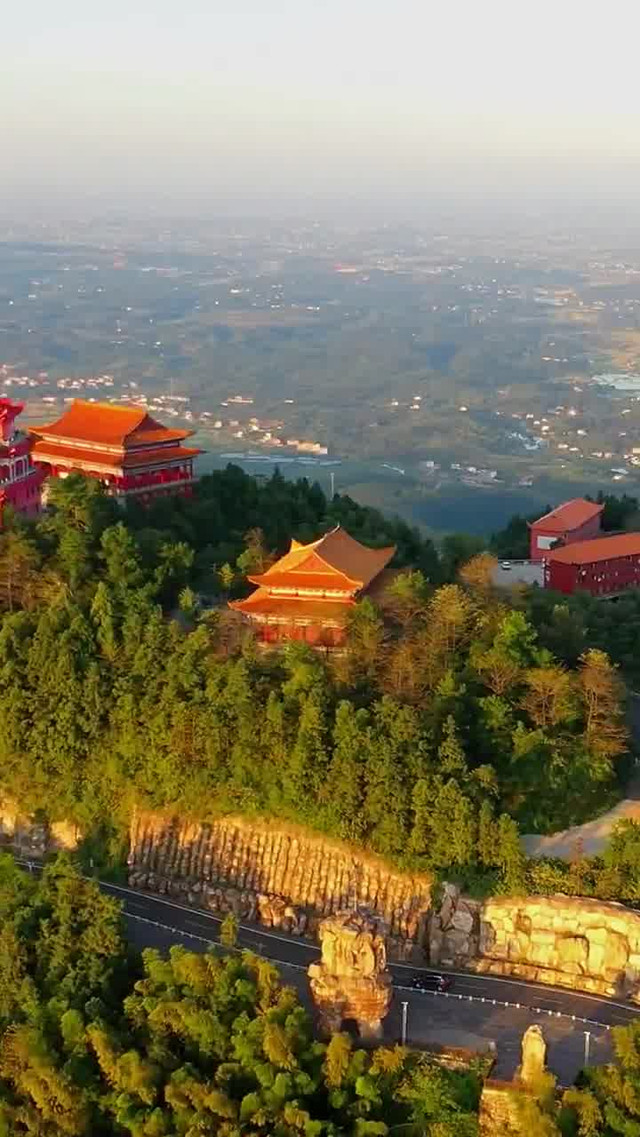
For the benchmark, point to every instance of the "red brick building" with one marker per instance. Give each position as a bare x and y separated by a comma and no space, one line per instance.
576,520
307,594
20,480
605,566
123,447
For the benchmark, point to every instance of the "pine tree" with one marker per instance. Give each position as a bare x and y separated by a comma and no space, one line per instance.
451,757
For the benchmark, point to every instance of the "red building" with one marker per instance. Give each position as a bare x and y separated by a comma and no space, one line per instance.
602,567
307,594
20,480
576,520
126,449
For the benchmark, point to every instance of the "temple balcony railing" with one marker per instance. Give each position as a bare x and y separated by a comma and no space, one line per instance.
11,478
152,484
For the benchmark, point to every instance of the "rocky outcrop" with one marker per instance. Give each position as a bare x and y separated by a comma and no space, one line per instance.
351,982
500,1110
560,940
34,839
454,929
282,877
292,879
501,1103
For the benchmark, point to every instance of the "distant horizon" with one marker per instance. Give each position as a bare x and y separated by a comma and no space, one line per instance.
569,216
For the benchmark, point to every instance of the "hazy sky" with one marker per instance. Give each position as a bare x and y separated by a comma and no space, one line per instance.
196,103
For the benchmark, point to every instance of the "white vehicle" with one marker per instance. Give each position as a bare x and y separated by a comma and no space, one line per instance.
506,565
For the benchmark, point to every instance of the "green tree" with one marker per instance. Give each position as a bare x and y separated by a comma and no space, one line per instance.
509,856
255,558
19,562
226,577
608,1101
121,556
103,616
441,1105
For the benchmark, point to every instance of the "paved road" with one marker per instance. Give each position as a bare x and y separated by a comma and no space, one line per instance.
472,1015
518,573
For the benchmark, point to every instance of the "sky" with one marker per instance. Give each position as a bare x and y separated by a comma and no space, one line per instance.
207,104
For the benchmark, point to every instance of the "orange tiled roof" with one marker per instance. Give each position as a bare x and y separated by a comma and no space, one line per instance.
571,515
52,453
109,425
319,581
599,549
337,558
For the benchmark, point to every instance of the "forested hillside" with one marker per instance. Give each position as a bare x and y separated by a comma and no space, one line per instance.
429,740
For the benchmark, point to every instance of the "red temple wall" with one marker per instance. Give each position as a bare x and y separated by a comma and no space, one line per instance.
601,578
314,635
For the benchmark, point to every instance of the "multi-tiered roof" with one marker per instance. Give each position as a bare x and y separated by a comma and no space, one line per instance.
123,446
313,586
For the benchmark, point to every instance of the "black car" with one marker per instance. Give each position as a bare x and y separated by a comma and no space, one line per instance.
430,981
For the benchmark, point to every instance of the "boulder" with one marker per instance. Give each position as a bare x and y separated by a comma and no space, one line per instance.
462,920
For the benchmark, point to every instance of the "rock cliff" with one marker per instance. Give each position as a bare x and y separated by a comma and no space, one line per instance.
290,878
285,878
589,945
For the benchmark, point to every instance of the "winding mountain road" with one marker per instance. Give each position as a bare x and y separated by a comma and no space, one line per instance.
478,1010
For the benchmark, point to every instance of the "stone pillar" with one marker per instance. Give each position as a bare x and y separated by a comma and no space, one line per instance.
352,980
534,1053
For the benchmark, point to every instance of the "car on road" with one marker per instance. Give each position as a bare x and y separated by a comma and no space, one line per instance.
505,566
430,981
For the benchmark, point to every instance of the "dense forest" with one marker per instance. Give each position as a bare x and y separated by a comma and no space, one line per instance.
445,726
99,1041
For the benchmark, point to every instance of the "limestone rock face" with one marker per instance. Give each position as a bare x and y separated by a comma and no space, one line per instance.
589,945
282,877
352,981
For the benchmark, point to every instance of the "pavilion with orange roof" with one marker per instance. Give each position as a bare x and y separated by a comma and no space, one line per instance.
123,447
307,594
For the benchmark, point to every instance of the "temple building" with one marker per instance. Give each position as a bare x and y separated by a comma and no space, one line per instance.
606,566
126,449
20,480
307,594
